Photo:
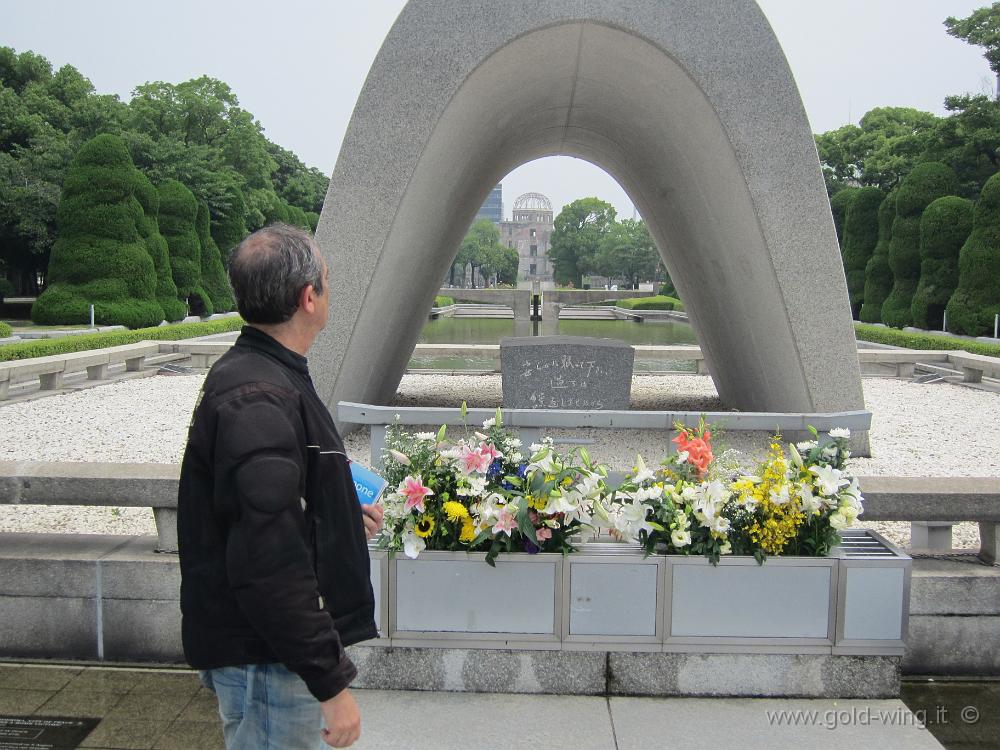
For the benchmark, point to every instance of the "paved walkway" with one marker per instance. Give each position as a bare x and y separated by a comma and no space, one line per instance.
170,710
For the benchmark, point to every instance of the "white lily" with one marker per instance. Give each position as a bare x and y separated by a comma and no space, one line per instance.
828,479
413,545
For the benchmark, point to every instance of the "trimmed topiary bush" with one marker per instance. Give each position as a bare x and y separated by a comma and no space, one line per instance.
156,245
976,301
922,186
99,257
878,275
213,275
230,227
840,202
443,301
6,289
860,238
944,228
658,302
5,330
178,212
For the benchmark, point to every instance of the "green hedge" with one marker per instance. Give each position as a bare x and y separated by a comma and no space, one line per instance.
99,257
976,301
659,302
66,344
860,238
922,186
213,274
944,228
230,227
178,213
5,330
878,275
908,340
442,301
840,204
6,288
156,245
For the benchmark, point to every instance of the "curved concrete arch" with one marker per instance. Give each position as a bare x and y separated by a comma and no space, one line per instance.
689,104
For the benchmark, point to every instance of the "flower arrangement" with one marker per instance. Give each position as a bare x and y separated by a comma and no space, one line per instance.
792,505
481,493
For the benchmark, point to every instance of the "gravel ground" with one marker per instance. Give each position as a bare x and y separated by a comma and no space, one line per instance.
145,420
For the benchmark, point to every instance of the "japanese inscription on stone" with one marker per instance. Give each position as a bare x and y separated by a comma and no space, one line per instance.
566,372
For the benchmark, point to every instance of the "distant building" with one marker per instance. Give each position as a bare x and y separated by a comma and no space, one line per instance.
528,232
492,209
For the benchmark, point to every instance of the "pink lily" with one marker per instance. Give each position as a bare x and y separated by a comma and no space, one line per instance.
474,461
415,491
543,533
488,449
507,522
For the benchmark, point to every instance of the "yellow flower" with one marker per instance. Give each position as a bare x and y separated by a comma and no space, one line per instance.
468,532
425,526
538,503
455,511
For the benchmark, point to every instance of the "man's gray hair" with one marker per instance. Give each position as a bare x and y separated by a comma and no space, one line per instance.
269,270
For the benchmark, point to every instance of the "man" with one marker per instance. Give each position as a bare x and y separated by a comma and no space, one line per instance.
272,538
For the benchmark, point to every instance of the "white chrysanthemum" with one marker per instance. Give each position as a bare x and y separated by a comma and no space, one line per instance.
425,436
680,538
489,423
840,432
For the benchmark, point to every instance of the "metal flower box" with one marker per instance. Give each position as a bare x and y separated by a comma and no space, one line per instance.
609,597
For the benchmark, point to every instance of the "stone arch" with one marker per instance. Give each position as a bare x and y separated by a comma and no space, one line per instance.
689,104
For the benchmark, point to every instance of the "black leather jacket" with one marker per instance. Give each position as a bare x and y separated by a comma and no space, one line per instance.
274,562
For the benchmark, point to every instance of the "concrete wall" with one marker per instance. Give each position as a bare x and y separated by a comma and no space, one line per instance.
689,104
111,598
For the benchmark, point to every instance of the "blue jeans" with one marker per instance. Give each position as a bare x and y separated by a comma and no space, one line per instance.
265,707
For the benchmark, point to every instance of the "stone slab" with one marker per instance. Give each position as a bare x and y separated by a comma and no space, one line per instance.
948,645
48,628
753,675
954,587
142,631
767,723
459,721
566,372
480,670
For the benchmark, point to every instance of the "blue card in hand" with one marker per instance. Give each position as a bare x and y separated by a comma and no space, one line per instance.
368,484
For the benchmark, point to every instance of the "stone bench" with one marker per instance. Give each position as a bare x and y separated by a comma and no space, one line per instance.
975,366
101,484
203,354
905,360
51,370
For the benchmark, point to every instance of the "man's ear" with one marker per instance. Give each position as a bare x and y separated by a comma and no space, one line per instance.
307,298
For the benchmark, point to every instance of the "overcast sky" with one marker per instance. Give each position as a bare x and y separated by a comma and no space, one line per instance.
299,65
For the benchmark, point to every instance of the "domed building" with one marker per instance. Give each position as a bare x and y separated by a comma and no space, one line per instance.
528,232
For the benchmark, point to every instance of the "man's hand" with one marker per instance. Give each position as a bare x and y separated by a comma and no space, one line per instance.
372,516
342,719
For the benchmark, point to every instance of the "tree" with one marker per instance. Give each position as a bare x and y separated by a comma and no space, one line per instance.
878,275
976,301
944,227
924,184
982,29
576,237
839,205
156,245
627,250
229,225
213,274
100,258
178,213
860,238
480,248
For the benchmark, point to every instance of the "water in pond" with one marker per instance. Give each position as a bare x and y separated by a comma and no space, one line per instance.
491,330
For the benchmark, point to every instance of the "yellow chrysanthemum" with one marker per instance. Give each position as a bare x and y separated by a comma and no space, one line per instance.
455,511
468,532
538,503
425,526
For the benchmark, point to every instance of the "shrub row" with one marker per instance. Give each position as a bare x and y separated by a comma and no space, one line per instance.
5,330
67,344
659,302
909,340
442,301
